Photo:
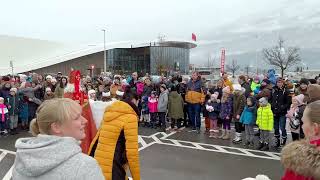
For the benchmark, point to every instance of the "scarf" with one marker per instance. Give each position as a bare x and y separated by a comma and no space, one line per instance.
4,110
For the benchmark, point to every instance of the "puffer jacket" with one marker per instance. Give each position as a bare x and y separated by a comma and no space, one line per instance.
118,130
163,101
194,92
280,101
301,160
249,115
265,118
226,108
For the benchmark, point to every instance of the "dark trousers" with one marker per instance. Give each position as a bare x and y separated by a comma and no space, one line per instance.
280,123
238,127
162,119
153,119
186,120
194,115
295,136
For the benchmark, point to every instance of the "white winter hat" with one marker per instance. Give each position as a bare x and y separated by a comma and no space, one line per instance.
237,87
119,93
14,90
48,89
49,77
106,94
263,101
92,91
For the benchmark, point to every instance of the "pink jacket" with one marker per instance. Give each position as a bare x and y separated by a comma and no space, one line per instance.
153,105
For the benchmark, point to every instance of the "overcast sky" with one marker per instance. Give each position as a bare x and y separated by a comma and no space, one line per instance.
81,21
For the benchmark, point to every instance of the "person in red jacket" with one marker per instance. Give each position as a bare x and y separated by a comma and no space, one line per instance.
301,159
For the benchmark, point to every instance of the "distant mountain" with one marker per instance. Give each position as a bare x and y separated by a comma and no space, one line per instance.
297,22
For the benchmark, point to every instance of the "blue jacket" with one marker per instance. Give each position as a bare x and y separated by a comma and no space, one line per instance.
249,115
215,113
24,110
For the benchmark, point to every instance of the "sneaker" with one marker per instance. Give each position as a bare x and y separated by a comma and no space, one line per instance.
198,131
193,130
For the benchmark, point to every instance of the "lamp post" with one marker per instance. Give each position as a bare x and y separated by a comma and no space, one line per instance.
104,52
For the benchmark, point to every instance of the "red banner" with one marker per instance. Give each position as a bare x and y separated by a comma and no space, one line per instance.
223,59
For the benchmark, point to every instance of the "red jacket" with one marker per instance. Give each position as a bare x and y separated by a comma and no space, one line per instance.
301,160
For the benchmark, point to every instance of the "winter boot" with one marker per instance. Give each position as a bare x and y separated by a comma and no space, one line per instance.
211,134
227,136
260,146
223,133
277,141
265,147
237,139
283,141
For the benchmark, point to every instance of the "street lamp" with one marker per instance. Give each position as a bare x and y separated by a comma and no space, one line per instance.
104,52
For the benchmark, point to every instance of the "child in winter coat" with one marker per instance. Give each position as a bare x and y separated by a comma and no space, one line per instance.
265,123
248,118
13,106
49,94
24,112
145,116
153,108
213,108
292,116
4,113
239,102
226,112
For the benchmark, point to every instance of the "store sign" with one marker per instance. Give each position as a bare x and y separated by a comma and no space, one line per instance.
223,59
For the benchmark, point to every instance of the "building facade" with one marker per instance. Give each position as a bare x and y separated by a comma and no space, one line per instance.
155,58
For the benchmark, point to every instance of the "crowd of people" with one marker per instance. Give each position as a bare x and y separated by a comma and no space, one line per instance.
265,101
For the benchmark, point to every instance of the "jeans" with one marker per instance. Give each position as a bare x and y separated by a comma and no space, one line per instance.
194,115
280,123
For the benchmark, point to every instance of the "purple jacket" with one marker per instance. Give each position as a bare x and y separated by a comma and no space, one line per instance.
226,109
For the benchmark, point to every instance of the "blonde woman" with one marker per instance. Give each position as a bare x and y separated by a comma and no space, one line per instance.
301,158
54,152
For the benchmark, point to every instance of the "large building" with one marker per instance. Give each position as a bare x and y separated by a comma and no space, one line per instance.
153,58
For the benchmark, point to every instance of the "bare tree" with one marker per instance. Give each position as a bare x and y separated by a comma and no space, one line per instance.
233,67
281,57
247,69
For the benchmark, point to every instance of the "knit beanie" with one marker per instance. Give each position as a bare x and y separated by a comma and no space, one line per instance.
304,81
299,99
14,90
263,101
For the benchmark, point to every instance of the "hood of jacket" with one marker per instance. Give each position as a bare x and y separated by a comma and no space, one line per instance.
303,158
174,94
38,155
116,110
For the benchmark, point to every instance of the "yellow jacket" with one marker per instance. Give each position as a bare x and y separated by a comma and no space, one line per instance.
117,117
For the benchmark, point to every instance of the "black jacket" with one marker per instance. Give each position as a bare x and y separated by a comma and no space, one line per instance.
280,101
247,87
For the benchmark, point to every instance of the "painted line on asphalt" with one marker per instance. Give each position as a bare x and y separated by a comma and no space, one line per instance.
2,155
227,152
8,174
8,151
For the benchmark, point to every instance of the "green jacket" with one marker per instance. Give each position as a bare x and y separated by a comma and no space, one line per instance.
265,118
175,105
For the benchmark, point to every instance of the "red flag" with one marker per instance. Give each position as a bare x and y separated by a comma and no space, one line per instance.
194,37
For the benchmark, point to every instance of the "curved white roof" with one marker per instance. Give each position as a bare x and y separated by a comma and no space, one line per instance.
38,56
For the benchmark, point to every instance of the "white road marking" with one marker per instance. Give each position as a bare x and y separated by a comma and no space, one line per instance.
2,155
8,175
